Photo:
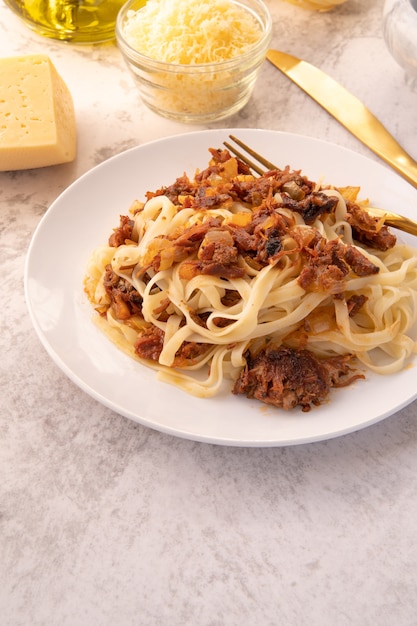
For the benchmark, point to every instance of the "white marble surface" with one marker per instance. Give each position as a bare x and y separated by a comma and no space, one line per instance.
105,522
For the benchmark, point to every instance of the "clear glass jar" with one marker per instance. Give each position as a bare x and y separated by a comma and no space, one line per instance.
78,21
400,34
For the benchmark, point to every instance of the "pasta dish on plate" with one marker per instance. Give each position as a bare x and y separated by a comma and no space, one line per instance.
283,286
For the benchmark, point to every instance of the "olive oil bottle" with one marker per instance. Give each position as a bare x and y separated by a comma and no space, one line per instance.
78,21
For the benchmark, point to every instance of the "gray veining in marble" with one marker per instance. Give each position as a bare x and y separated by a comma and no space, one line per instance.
106,523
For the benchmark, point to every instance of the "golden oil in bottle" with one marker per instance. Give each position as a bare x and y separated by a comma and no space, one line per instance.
82,21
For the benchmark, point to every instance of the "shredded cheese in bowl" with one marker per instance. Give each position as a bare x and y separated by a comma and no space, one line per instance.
194,61
190,32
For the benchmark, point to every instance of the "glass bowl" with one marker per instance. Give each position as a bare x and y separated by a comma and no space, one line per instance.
196,92
400,34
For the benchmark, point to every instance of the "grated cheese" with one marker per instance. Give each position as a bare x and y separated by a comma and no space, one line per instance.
191,32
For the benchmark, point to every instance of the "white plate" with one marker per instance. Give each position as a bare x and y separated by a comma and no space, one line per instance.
84,216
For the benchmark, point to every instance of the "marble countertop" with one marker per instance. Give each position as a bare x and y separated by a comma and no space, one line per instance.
106,522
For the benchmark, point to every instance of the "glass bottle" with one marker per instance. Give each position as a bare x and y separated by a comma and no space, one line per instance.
82,21
400,34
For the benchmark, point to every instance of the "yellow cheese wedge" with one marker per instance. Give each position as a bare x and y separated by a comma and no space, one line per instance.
37,119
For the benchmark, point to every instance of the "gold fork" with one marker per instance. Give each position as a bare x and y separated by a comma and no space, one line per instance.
390,219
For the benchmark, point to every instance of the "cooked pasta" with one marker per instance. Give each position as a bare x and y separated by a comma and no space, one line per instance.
228,276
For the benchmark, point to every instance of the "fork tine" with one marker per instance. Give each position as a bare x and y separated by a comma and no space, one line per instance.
261,159
244,158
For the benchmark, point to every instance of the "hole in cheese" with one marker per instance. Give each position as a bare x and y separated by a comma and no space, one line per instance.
37,112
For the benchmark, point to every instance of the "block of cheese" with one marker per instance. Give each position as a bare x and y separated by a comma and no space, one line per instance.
37,118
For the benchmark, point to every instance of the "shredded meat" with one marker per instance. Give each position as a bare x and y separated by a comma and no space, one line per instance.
287,378
122,233
261,239
355,303
366,229
217,255
311,207
189,351
359,263
150,342
190,269
191,238
328,263
182,186
222,156
283,181
208,200
125,300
